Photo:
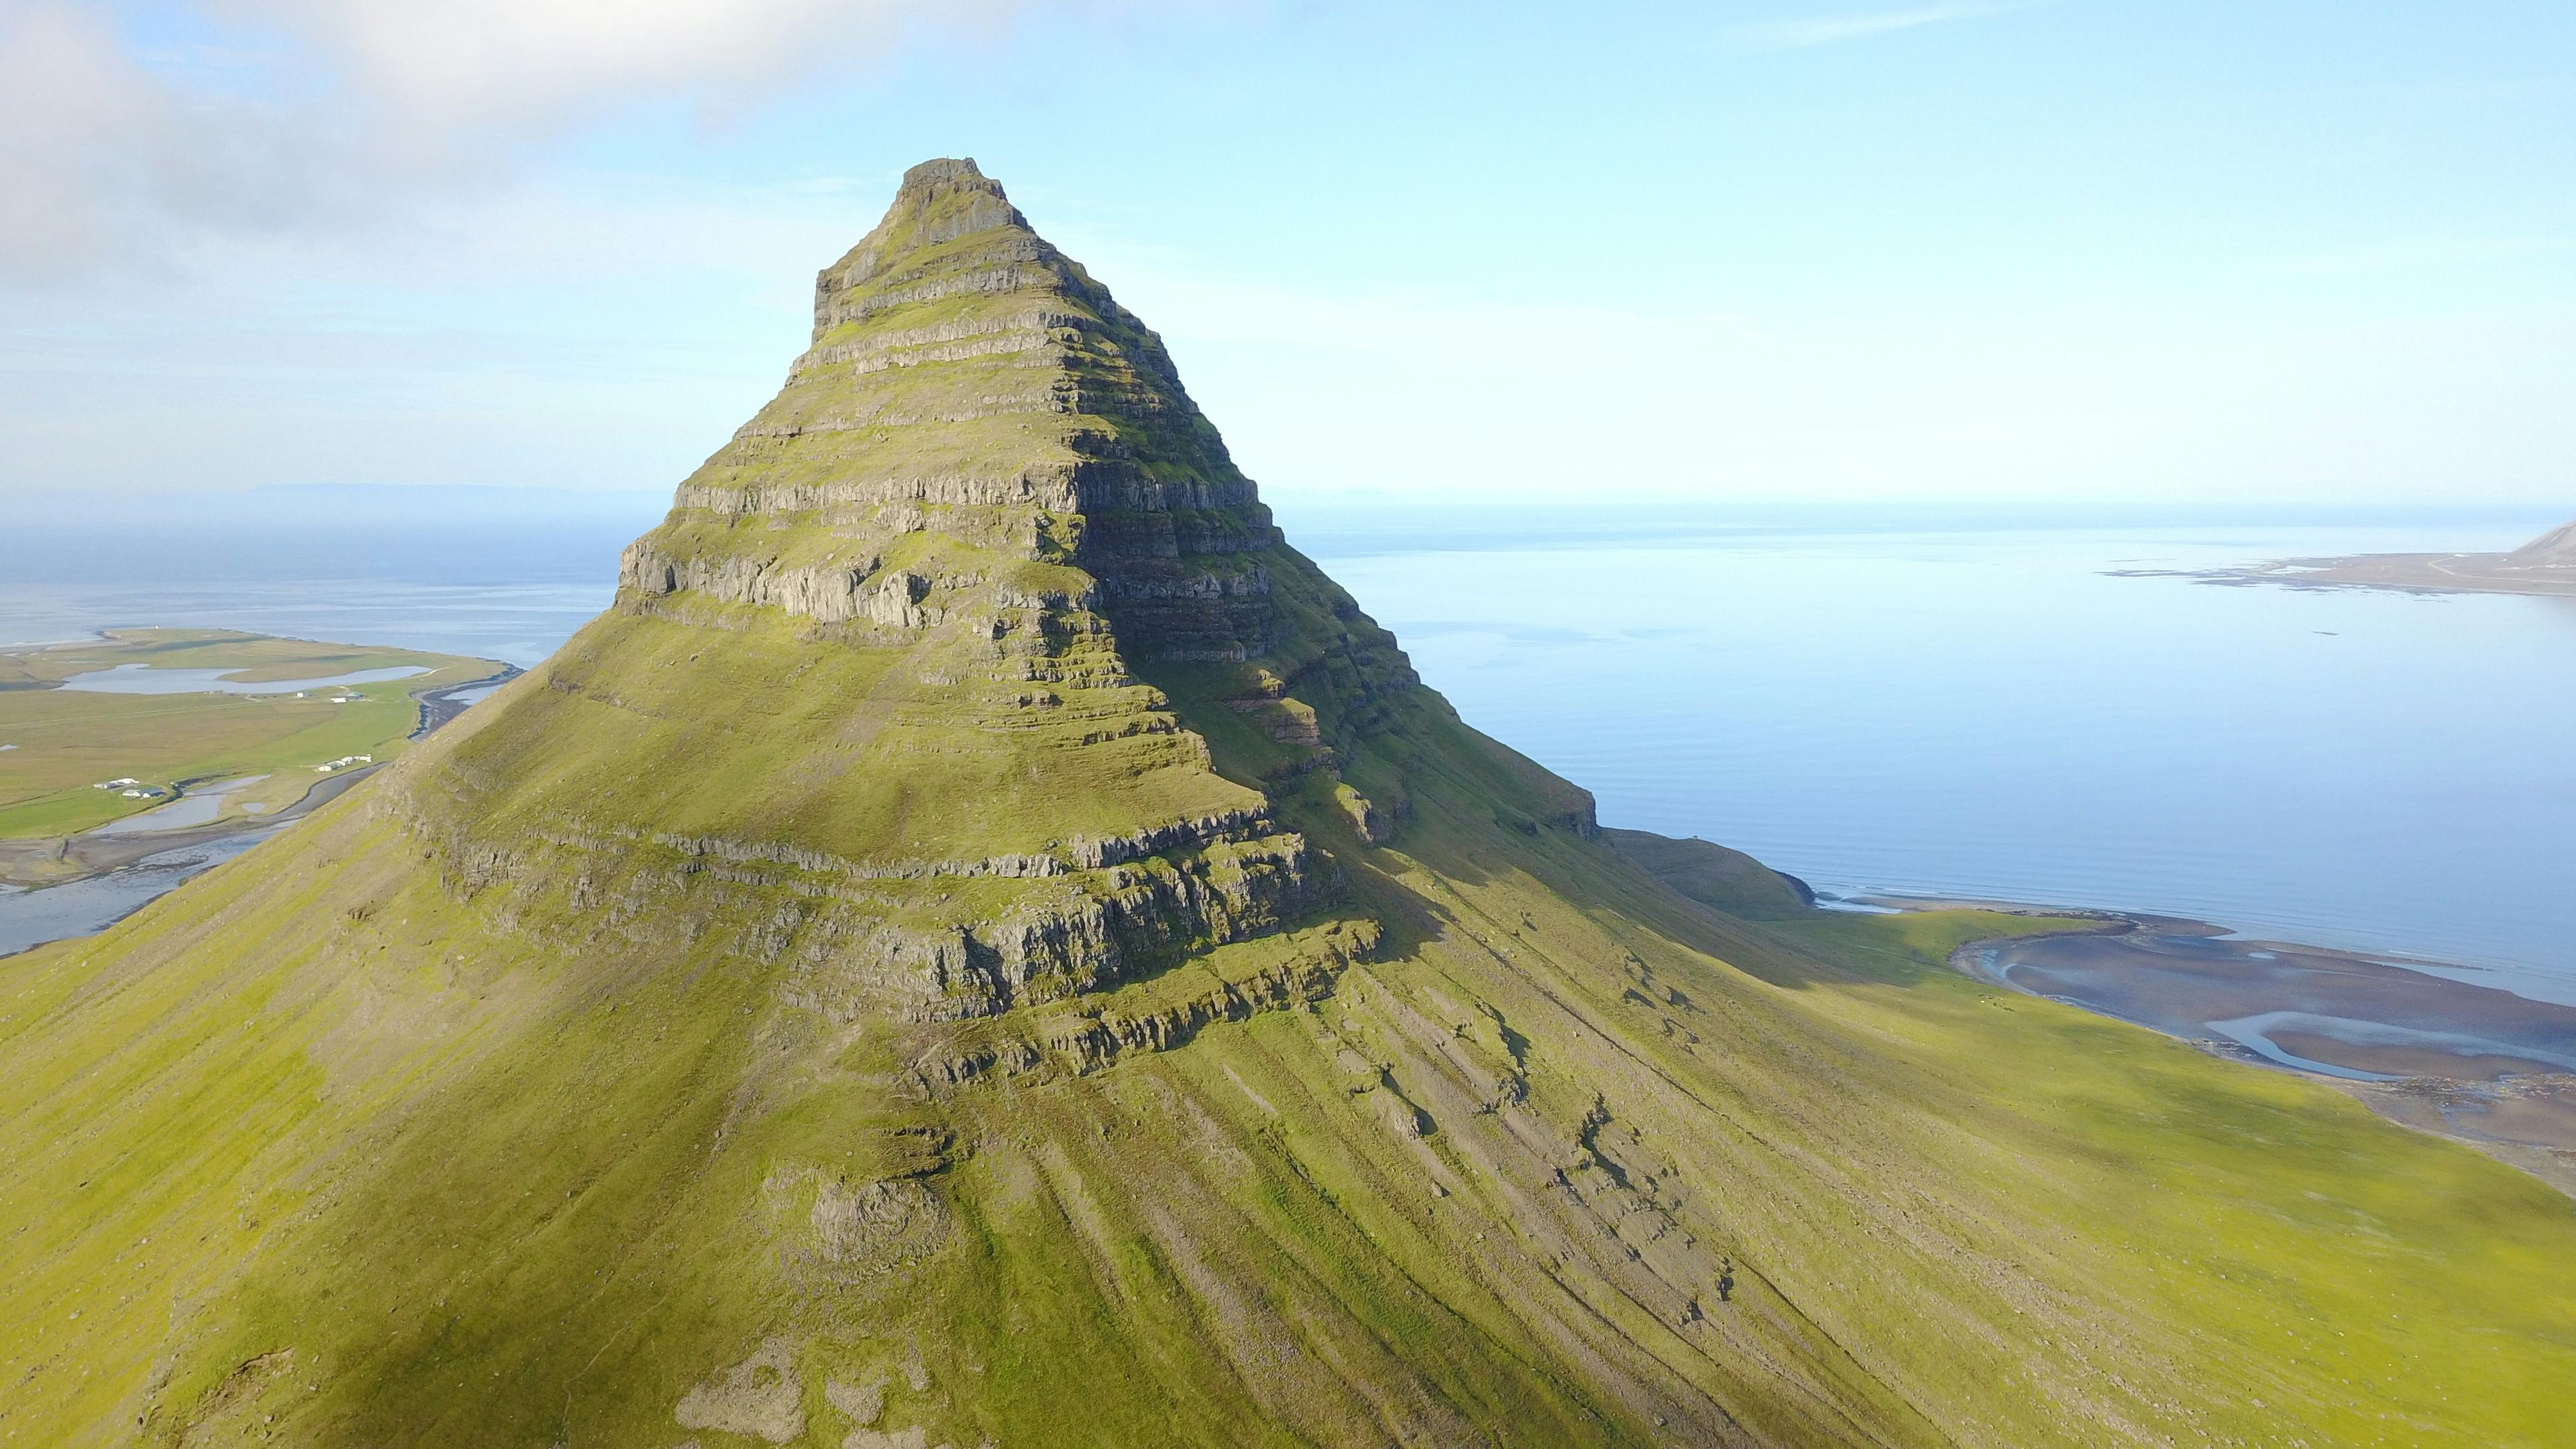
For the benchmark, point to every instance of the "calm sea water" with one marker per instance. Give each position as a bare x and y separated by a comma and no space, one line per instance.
1986,713
503,574
1954,706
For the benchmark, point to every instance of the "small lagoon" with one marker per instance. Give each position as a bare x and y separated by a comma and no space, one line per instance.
145,679
86,907
199,806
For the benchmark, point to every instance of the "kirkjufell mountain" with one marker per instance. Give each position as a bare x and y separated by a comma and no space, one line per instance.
985,944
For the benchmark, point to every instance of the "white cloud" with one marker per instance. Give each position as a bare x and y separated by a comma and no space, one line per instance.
100,152
302,114
519,63
1835,29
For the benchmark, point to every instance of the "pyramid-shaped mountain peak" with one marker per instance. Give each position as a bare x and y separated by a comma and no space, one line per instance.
911,637
953,172
985,944
970,382
939,201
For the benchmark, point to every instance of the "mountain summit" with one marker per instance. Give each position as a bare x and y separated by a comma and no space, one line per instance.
971,384
882,661
984,944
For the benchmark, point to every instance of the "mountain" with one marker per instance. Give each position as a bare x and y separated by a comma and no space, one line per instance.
2555,549
985,944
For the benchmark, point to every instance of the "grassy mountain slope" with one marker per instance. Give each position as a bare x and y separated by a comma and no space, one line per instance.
934,966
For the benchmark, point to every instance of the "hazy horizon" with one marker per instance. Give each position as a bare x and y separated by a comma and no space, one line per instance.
144,533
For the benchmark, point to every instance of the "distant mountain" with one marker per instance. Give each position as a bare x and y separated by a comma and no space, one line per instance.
2546,565
2554,549
984,944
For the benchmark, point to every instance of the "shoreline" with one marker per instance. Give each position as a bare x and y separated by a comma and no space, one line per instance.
2422,574
2482,1066
439,706
99,856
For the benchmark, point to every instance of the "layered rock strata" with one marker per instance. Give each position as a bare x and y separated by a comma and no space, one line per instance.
906,606
967,379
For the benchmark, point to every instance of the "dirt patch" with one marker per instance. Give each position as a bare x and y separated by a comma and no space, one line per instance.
913,1438
759,1396
862,1402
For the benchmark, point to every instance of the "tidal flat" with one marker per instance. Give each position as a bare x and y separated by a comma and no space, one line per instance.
187,726
34,916
189,739
2445,1049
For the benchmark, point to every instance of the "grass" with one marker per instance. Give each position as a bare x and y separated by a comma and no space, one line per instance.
389,1131
69,740
2372,1284
868,755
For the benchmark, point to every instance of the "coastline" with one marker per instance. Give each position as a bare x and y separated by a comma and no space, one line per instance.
93,853
2480,1065
96,857
2402,573
442,704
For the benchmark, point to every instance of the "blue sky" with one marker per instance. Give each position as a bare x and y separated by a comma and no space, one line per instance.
2068,251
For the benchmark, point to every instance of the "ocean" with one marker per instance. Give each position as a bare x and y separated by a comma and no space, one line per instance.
1942,704
1988,711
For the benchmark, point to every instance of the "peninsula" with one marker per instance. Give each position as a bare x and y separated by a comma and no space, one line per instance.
2546,565
985,944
